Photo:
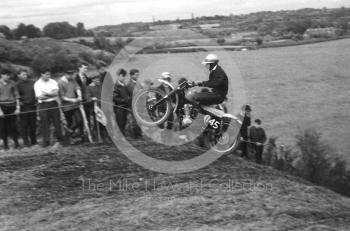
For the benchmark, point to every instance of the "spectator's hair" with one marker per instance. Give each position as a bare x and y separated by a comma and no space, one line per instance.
246,108
182,80
101,64
22,70
258,121
44,70
133,71
121,72
82,64
6,72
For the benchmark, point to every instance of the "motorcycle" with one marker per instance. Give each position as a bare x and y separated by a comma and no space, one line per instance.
153,107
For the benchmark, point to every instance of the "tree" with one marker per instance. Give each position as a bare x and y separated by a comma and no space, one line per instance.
6,31
33,31
59,30
80,31
29,31
102,43
299,27
20,31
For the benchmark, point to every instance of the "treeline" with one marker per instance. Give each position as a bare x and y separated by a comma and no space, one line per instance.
56,30
102,43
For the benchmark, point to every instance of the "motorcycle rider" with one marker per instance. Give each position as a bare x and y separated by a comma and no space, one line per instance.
216,86
213,91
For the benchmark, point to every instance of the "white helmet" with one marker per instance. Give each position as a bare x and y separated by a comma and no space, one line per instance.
211,58
166,75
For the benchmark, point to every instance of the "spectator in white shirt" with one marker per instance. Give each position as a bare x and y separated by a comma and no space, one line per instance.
46,91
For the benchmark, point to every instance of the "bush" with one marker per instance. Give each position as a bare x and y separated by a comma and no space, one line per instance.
271,151
314,161
319,165
57,62
86,56
314,154
221,41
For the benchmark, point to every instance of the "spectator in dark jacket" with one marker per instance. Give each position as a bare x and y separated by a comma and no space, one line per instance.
121,100
26,92
246,122
135,129
9,106
83,81
257,136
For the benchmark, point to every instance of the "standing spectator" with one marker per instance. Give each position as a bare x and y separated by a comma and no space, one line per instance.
136,130
246,122
257,136
102,70
46,91
93,94
9,106
25,88
71,97
121,100
166,76
83,81
134,76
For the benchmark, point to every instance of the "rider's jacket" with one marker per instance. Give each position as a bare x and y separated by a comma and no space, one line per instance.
218,81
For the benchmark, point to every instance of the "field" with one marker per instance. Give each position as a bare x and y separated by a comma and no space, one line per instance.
301,87
289,88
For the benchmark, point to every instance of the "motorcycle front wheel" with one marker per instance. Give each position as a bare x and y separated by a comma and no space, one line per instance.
142,104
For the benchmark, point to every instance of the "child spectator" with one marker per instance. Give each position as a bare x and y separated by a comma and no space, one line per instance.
257,136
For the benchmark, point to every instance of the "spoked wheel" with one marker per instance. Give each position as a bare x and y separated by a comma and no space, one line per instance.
225,142
145,111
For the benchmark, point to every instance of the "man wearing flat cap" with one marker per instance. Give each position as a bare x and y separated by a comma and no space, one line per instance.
134,127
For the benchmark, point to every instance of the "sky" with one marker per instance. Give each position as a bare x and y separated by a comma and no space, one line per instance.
111,12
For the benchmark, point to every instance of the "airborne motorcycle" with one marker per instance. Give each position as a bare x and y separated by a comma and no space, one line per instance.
153,107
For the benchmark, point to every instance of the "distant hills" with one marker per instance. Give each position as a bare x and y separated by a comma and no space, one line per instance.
279,23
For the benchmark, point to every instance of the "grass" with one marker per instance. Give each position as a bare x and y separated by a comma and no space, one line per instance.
51,191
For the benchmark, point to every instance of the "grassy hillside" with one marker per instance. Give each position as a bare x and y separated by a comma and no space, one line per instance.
56,191
299,87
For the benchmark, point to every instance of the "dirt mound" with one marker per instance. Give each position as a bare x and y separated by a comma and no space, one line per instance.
97,188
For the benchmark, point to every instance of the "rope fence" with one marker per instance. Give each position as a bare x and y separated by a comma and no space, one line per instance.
61,107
